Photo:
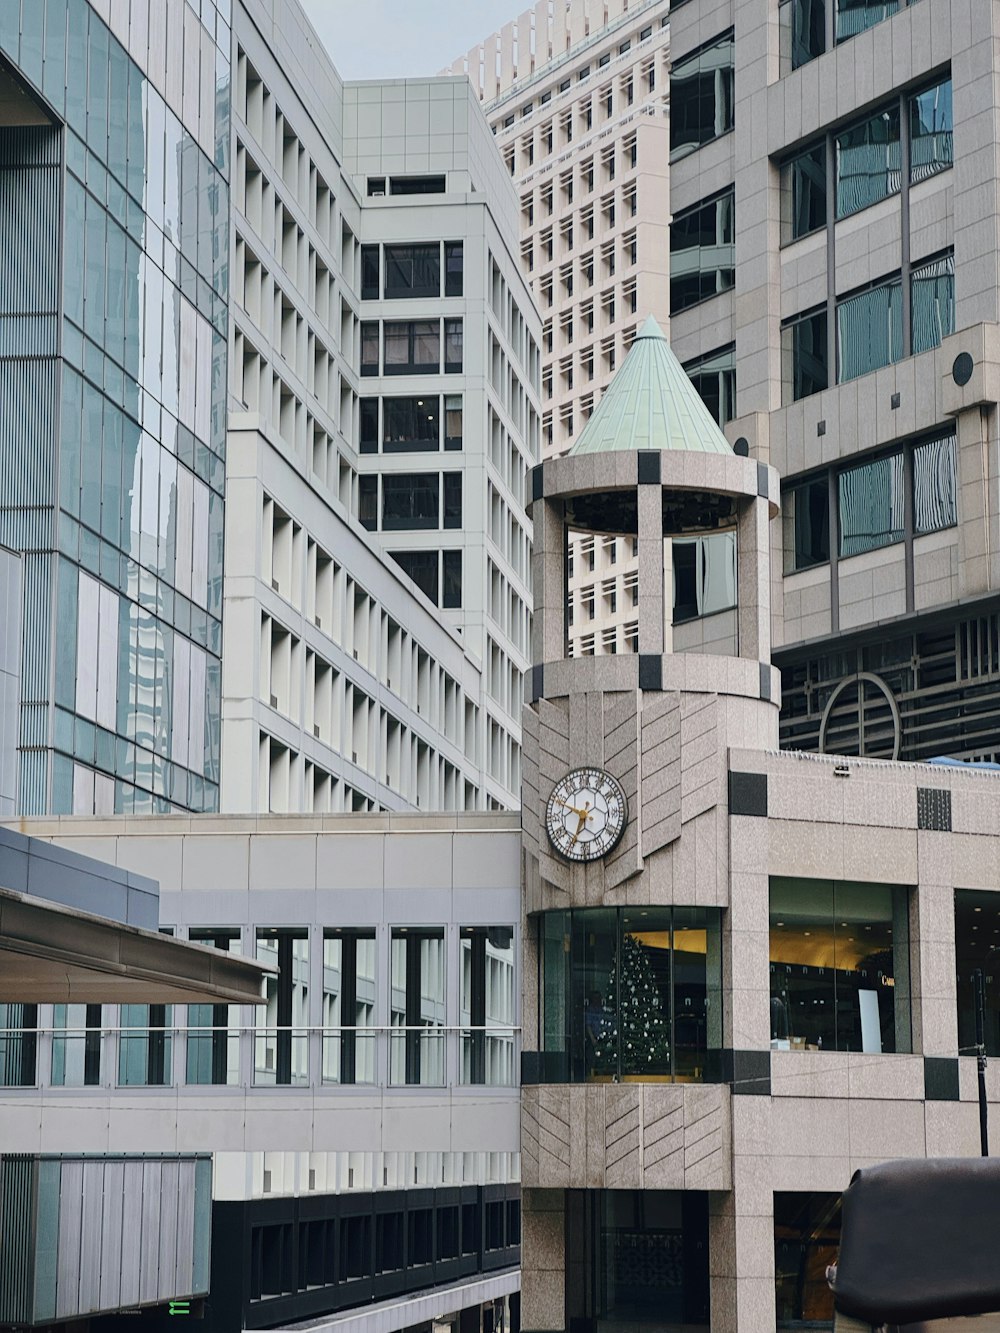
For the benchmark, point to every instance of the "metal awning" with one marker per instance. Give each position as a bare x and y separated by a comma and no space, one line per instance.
50,954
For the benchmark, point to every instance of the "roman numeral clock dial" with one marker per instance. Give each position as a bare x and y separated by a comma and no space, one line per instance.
586,814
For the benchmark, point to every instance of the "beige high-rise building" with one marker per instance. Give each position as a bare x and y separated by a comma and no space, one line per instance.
576,93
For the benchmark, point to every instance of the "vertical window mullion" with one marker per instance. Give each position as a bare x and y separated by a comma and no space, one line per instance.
904,231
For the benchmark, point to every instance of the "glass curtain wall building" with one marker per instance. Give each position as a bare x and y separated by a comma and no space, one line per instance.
114,216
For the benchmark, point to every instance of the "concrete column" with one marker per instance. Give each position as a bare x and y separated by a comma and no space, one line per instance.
741,1227
548,572
652,635
977,520
543,1260
753,580
932,948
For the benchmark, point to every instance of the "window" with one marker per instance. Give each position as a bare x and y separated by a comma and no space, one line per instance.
453,268
806,1242
368,502
869,329
76,1045
870,505
213,1056
18,1044
412,348
453,499
145,1045
839,966
802,31
488,1005
412,270
630,994
368,426
452,346
376,187
410,425
977,925
451,580
369,347
854,16
714,376
704,575
932,303
369,273
281,1044
803,181
349,981
934,485
453,421
931,127
422,568
417,1007
868,161
702,252
807,523
804,355
701,97
410,501
416,184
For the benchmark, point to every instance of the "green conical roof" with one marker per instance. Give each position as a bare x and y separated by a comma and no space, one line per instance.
651,404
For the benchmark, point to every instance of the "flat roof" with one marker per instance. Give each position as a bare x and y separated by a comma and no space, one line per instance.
53,954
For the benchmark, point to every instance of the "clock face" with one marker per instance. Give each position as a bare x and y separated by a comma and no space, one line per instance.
586,814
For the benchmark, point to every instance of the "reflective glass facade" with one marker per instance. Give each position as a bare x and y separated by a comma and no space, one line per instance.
114,456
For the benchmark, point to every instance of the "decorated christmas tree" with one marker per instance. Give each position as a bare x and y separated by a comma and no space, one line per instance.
633,1027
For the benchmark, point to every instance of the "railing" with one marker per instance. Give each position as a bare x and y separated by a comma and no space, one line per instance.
378,1055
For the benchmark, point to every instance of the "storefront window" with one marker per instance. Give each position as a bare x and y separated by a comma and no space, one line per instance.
839,966
637,1258
806,1240
977,936
631,994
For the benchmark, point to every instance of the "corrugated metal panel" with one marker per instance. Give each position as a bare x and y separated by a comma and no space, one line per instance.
93,1233
17,1194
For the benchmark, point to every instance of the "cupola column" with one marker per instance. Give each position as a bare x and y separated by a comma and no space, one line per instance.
753,580
654,623
548,576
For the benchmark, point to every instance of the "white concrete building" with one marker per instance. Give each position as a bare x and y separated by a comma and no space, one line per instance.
577,94
384,377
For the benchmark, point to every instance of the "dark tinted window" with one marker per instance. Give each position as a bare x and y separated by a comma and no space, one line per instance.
854,16
452,589
453,268
410,424
368,433
868,161
804,356
685,561
702,252
369,348
714,377
804,181
453,421
416,185
810,510
412,270
422,568
410,500
701,97
369,273
452,345
412,348
931,127
453,499
368,502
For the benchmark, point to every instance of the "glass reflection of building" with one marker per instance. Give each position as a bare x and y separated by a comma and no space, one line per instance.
113,457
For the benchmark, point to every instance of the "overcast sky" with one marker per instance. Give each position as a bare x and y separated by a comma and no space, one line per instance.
393,39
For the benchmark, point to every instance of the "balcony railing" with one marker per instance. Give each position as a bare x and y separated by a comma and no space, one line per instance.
251,1055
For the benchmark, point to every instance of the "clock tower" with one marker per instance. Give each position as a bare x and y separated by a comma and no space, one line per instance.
634,1010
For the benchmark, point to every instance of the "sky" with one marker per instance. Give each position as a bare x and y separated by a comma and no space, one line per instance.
393,39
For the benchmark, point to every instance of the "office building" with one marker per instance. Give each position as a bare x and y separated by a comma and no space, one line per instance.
115,219
854,273
384,413
577,96
368,402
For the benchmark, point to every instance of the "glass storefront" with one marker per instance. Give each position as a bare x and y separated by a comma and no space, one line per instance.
806,1240
977,937
631,994
839,966
637,1257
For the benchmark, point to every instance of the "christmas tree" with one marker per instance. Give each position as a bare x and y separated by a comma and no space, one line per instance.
634,1032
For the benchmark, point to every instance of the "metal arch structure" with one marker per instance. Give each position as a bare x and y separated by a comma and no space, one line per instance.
859,678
